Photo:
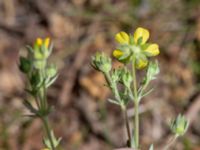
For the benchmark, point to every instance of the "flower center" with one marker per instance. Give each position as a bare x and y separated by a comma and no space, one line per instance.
135,49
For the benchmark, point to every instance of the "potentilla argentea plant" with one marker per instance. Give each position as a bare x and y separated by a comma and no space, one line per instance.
135,51
40,75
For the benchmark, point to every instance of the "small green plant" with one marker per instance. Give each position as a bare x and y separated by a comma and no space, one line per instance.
133,52
40,75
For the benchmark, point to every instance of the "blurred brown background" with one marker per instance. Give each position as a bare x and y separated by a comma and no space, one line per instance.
78,28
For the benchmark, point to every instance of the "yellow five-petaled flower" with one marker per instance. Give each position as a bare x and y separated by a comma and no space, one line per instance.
135,46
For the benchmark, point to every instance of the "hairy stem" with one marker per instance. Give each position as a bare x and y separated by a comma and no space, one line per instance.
127,126
170,142
114,89
48,131
136,102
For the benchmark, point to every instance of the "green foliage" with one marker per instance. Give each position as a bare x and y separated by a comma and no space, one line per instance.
56,141
133,51
40,76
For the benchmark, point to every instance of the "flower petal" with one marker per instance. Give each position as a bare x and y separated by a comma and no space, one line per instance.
122,38
117,53
39,42
141,63
46,42
141,34
152,50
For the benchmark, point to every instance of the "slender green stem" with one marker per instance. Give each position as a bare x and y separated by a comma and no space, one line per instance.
136,125
114,89
127,125
44,91
48,132
136,102
45,97
170,142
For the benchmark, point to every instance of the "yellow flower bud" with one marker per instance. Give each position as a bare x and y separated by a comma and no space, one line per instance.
142,34
46,42
122,38
117,53
39,42
141,63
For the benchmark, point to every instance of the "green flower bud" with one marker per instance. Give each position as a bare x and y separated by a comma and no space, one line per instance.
38,54
42,53
25,65
42,49
39,64
152,71
180,125
51,71
126,78
101,62
116,75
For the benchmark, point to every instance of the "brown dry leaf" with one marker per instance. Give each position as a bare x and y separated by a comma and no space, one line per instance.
78,2
93,83
196,148
9,82
33,136
76,138
61,26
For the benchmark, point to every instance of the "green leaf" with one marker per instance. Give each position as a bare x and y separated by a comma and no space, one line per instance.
25,65
51,81
30,107
56,141
113,101
145,93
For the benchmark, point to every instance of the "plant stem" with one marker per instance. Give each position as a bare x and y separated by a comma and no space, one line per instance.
48,132
127,126
136,102
114,89
170,142
136,125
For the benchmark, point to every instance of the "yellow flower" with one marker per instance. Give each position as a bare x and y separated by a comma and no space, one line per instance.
40,42
141,34
135,46
122,38
45,149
